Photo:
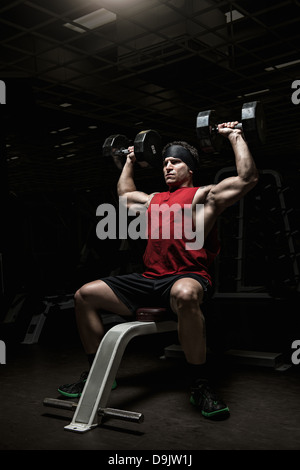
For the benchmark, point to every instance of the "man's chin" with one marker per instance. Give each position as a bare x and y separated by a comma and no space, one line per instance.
169,179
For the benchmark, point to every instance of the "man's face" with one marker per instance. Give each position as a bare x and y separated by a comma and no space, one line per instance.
176,172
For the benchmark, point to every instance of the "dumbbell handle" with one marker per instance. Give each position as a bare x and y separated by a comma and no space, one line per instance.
238,126
122,152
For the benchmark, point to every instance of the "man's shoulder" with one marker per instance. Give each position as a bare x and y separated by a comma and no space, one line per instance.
202,193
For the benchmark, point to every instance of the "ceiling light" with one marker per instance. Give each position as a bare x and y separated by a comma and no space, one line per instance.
233,15
66,143
74,28
281,66
92,20
65,105
257,92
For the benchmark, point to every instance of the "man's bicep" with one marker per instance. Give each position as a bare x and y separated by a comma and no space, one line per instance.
136,197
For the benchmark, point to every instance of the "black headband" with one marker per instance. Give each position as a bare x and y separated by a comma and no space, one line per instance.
177,151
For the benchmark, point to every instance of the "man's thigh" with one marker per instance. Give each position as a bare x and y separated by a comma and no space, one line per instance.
100,296
134,290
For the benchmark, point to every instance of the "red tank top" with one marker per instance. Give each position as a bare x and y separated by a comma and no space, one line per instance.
166,256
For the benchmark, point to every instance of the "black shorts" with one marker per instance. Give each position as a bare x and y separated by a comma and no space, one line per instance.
136,291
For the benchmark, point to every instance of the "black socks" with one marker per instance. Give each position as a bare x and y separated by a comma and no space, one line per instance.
197,372
90,358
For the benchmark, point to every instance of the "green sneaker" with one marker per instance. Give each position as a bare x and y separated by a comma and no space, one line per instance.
74,390
208,403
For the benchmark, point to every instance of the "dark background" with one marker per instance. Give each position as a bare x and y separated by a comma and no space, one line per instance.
155,67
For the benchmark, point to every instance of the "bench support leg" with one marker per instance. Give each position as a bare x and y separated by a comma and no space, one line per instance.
98,386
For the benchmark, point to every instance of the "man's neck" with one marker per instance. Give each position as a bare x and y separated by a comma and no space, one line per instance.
173,188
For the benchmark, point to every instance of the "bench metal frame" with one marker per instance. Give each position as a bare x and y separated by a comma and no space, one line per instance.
99,383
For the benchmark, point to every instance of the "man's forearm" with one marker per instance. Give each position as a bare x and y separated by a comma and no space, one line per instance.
126,183
245,165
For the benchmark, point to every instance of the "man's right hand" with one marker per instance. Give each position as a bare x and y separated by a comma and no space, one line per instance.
227,128
131,158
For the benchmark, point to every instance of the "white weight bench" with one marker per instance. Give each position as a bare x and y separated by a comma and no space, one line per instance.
92,405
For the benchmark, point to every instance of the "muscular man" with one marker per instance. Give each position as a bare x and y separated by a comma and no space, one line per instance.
174,276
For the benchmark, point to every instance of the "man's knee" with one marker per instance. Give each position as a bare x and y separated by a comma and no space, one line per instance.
81,294
88,292
186,292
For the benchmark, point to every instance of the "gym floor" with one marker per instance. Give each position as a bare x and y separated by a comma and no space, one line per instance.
264,402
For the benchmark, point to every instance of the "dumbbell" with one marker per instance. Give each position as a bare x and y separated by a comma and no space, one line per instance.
147,149
252,125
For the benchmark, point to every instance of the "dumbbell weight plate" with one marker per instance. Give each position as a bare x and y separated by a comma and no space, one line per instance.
112,146
210,140
253,122
148,148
